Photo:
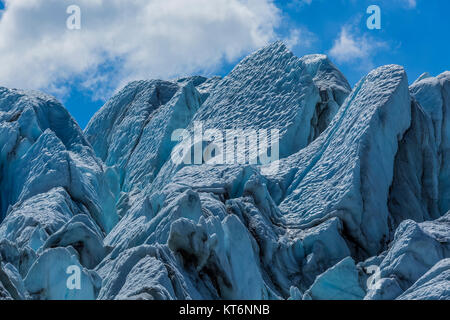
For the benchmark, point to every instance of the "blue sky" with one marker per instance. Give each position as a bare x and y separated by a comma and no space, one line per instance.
116,45
416,37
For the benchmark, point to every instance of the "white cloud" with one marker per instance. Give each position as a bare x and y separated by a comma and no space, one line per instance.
299,37
121,40
349,47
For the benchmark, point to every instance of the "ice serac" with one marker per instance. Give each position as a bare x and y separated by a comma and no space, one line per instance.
54,194
433,94
31,222
42,148
340,282
270,89
132,133
12,282
203,85
221,220
420,185
84,236
185,206
434,285
416,248
348,170
414,193
197,235
361,186
48,277
144,272
333,88
273,89
220,250
203,260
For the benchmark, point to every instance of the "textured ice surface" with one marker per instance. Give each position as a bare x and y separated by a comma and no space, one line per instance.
132,132
434,285
415,249
414,192
43,148
340,282
363,185
270,90
273,89
433,94
356,187
54,192
47,278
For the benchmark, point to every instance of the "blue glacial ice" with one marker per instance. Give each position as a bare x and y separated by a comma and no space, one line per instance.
357,207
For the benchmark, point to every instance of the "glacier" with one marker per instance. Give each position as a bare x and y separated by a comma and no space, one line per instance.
356,207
